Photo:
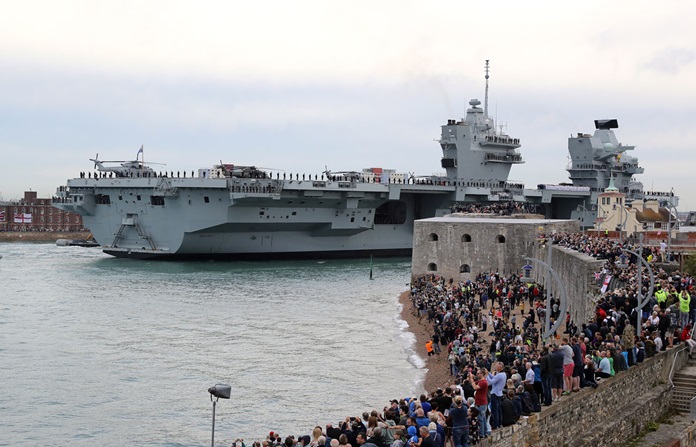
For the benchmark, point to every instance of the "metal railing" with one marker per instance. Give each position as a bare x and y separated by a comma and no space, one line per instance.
674,362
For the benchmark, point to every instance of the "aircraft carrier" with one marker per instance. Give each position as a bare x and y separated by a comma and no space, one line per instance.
245,212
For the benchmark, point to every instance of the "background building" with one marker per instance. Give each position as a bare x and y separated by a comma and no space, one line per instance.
614,214
34,214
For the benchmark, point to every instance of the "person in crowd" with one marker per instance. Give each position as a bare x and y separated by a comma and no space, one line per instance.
460,422
497,381
509,413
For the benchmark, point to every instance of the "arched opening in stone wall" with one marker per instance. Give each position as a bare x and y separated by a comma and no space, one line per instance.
432,267
500,239
432,237
465,269
466,238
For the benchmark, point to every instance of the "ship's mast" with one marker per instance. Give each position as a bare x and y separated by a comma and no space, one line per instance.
485,99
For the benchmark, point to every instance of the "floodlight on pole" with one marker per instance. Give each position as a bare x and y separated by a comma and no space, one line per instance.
219,391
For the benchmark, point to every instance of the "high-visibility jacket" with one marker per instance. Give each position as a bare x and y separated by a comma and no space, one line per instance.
661,296
684,301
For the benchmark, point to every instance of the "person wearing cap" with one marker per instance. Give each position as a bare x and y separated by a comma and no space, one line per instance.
413,439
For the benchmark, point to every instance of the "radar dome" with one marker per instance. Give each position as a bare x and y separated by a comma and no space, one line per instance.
608,146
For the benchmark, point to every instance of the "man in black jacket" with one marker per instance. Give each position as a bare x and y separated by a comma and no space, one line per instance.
508,406
545,366
556,360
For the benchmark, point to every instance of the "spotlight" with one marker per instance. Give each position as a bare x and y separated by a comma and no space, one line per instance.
218,391
221,391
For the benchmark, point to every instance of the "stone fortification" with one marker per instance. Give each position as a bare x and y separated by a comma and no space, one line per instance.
459,247
577,271
610,415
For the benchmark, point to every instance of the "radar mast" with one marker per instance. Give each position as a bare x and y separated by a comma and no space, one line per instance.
485,99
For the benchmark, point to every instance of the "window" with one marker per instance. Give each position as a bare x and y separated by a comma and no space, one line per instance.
432,267
500,239
465,269
102,199
392,212
206,199
466,238
157,200
432,237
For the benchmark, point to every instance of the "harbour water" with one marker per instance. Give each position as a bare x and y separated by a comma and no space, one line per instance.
102,351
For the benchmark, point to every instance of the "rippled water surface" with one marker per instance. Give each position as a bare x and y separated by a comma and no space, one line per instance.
102,351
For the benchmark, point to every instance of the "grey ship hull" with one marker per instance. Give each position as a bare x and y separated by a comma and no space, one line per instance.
173,218
231,218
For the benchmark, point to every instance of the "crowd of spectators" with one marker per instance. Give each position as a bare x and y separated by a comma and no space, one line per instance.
492,331
668,313
497,208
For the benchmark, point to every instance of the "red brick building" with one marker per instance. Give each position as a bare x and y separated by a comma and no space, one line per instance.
34,214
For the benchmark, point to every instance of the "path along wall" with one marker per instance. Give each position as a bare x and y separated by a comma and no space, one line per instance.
620,408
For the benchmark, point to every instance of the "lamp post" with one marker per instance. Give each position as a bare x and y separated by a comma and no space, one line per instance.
218,391
548,328
622,221
642,300
670,207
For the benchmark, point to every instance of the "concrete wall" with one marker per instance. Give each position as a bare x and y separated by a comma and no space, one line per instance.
617,410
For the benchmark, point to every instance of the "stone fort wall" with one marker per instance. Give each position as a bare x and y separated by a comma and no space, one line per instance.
610,415
576,271
460,247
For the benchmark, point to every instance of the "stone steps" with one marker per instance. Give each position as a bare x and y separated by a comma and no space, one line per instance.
684,387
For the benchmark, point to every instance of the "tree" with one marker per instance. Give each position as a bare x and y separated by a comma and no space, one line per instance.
690,265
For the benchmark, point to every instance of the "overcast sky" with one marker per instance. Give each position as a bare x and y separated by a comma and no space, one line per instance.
299,85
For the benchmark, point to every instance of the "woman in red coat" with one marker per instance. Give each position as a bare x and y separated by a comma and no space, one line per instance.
686,338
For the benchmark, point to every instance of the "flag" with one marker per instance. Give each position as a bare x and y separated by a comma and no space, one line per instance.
140,151
2,215
605,286
22,218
